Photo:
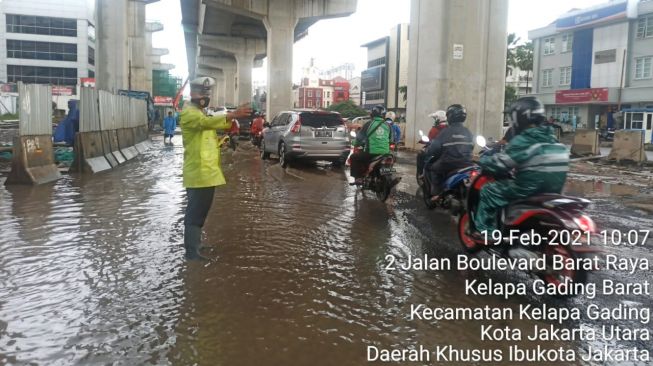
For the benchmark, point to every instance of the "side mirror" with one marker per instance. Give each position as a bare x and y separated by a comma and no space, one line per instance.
421,133
352,134
424,138
266,125
480,141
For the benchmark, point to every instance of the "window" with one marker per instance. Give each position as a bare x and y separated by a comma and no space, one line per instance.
91,73
91,56
41,25
41,50
310,103
328,94
635,121
547,77
648,121
565,75
567,42
375,95
645,27
549,46
376,62
42,75
643,67
310,93
91,32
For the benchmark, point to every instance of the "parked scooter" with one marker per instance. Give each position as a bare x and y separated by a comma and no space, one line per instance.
558,218
454,188
380,176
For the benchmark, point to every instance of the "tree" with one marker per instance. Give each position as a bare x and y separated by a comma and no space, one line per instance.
524,58
348,109
510,95
511,60
404,91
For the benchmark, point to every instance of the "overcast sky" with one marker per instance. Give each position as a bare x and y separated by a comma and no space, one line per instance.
333,42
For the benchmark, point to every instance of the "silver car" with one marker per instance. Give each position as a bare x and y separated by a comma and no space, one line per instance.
312,135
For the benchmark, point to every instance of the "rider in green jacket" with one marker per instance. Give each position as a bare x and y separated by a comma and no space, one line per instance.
375,136
539,161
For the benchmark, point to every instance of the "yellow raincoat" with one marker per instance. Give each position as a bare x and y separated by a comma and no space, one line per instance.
201,151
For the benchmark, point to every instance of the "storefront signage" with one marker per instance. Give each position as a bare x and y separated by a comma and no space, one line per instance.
594,16
581,96
163,101
62,90
87,82
604,57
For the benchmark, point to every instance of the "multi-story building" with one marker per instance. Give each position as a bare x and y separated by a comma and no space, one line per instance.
319,93
521,80
593,62
48,42
387,71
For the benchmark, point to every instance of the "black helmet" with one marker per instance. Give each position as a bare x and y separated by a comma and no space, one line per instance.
378,111
526,111
456,113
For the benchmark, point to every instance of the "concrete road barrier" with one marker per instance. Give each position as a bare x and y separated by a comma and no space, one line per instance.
126,142
89,153
586,142
628,145
33,161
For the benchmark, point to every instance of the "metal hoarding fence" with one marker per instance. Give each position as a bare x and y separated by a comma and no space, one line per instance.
35,109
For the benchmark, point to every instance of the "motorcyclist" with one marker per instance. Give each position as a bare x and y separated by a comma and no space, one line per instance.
257,124
439,123
375,137
451,149
396,130
539,161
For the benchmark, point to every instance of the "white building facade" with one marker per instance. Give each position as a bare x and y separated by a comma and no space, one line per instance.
592,66
48,42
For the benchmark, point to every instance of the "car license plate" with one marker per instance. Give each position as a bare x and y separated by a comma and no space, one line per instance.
388,170
323,133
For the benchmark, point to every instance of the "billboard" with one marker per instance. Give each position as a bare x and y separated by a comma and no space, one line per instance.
62,90
574,96
372,78
163,101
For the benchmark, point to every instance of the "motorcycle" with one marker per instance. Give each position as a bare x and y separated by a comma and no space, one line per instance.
256,138
558,220
606,134
379,177
454,189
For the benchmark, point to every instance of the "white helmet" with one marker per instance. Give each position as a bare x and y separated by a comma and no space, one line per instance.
390,115
439,116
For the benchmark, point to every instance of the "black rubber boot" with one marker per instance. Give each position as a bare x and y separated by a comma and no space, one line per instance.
192,243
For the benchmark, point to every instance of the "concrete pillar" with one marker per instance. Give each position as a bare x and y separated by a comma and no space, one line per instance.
137,78
112,51
457,55
245,64
229,93
219,91
280,24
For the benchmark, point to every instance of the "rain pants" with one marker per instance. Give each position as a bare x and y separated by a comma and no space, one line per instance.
201,152
541,164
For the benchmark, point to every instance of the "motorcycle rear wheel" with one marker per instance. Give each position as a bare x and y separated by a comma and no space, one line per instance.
426,196
558,278
469,245
382,188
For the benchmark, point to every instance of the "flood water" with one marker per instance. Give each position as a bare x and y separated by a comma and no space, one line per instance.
92,270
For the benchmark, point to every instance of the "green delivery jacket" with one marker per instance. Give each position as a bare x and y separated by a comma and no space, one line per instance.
201,150
540,161
376,136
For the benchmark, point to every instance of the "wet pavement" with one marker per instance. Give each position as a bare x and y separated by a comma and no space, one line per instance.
92,268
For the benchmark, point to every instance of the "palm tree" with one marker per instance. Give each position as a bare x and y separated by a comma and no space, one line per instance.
511,60
524,59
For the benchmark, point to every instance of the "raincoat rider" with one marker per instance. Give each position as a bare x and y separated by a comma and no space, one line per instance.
451,150
202,173
540,163
375,136
169,126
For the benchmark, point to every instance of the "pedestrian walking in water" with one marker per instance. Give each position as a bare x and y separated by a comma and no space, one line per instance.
202,173
169,126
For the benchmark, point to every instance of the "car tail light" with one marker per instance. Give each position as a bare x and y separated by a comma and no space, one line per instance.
297,126
392,146
585,223
473,174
